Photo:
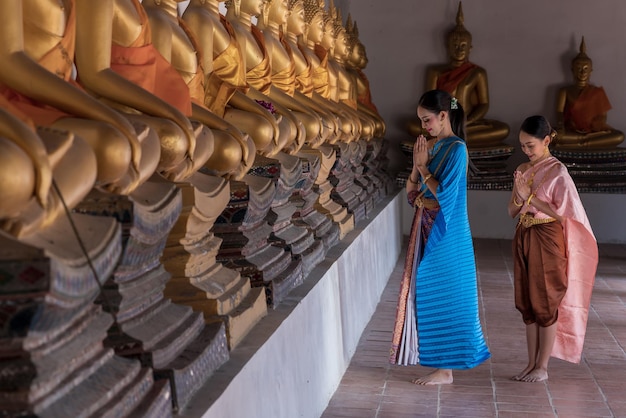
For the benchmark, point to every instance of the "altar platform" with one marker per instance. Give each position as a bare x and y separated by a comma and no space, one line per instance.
291,363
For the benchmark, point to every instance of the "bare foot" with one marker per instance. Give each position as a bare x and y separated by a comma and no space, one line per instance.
537,375
438,377
520,376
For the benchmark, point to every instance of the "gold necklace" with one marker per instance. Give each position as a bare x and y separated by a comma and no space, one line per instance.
532,165
543,180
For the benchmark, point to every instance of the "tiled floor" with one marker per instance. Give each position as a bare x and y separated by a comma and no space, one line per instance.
595,388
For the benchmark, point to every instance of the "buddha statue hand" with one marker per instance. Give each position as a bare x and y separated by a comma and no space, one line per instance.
36,150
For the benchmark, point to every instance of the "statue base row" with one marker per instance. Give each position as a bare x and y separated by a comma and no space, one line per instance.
596,171
52,354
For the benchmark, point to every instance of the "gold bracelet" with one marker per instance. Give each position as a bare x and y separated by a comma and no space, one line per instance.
516,203
426,178
411,180
529,199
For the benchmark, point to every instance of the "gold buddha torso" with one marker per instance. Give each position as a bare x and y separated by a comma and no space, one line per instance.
45,23
303,69
280,57
253,53
127,25
183,53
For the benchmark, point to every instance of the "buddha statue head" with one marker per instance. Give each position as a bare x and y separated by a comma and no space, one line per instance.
362,54
459,40
358,57
582,65
295,22
342,49
313,21
275,11
250,7
328,38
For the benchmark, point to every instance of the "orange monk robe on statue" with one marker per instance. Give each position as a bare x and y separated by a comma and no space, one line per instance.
450,80
582,114
143,65
58,61
228,75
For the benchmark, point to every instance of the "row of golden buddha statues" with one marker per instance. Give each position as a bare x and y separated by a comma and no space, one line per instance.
184,171
581,108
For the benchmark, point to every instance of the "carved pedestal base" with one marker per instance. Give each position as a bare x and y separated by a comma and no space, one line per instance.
596,170
345,192
305,199
381,162
371,170
325,204
490,168
244,232
295,239
362,185
52,358
198,280
170,338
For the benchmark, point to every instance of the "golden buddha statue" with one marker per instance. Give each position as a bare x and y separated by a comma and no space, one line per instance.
36,78
117,61
356,62
227,93
326,81
25,170
234,152
287,71
468,83
309,41
582,109
29,162
346,88
256,59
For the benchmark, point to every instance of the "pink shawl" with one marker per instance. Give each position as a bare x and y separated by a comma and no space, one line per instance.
582,256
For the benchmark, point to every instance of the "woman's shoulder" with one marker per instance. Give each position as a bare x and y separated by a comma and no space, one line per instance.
454,139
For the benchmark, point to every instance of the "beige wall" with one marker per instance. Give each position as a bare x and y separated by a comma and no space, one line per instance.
525,46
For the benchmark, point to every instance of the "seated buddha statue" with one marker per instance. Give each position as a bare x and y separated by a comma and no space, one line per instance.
317,56
293,31
346,88
36,78
117,61
273,24
234,152
357,61
582,109
325,51
227,93
468,83
30,160
256,60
